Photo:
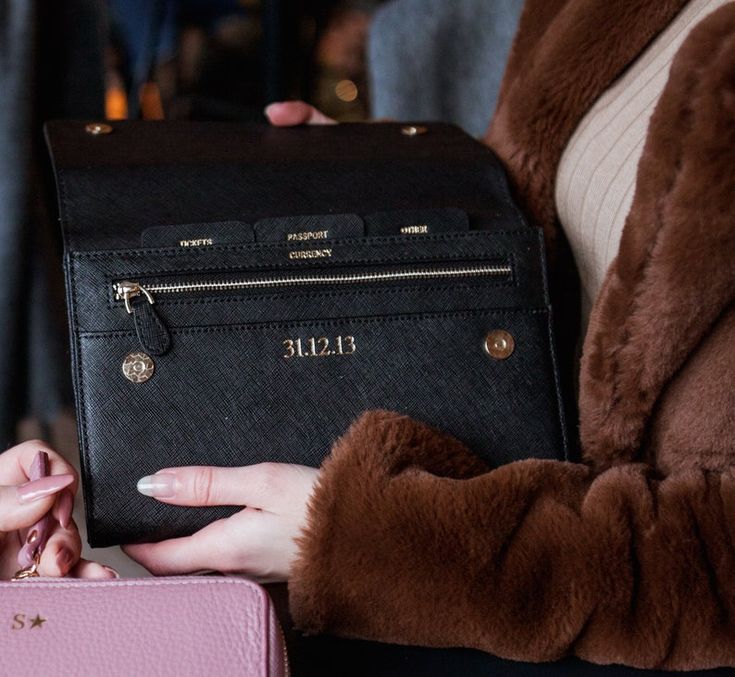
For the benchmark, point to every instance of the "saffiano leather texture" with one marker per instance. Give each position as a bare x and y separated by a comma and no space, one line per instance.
371,269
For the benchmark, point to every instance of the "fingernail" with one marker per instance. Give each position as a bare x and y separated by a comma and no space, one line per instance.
162,485
114,573
271,107
66,507
38,489
64,559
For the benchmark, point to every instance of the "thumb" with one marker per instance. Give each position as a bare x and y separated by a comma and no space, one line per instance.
24,505
293,113
255,486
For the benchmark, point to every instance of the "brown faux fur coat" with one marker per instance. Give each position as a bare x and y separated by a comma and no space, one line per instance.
630,557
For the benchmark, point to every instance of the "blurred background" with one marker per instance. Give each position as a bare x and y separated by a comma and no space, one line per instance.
225,59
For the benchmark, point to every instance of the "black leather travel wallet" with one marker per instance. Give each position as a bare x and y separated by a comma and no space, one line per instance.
239,293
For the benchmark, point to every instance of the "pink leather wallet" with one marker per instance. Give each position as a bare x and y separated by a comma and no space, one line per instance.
179,626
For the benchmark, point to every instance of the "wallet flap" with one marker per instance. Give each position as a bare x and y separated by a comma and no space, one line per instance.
114,185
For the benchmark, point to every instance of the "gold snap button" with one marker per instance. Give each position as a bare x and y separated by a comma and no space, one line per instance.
499,344
413,130
98,128
138,367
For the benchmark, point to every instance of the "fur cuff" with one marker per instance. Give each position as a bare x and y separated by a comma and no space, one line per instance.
338,549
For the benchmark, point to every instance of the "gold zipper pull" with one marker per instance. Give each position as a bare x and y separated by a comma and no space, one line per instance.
127,290
153,334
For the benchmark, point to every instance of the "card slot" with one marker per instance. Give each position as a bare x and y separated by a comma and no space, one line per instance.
413,222
198,235
312,229
388,318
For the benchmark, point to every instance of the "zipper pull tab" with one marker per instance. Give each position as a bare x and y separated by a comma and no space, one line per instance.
153,334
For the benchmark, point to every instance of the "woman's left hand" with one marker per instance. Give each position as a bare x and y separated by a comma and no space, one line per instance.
259,541
24,502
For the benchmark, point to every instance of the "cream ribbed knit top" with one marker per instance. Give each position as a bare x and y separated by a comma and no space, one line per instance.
596,177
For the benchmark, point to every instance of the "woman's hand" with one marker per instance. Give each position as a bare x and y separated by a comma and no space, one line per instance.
294,113
259,541
23,503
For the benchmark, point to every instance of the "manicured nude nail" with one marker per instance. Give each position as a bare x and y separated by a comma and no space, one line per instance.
162,485
65,508
64,559
38,489
114,573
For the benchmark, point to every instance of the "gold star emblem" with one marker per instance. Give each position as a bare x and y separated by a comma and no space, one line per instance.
37,622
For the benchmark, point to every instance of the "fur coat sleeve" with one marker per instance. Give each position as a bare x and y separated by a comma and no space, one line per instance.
411,540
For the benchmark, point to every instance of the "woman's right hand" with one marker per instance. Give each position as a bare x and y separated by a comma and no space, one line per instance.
23,503
294,113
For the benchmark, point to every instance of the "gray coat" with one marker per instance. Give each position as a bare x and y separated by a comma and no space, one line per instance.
440,59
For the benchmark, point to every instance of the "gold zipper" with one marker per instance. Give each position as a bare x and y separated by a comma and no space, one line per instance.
127,290
155,338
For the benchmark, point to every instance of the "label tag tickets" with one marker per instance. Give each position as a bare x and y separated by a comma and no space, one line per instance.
308,230
193,235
